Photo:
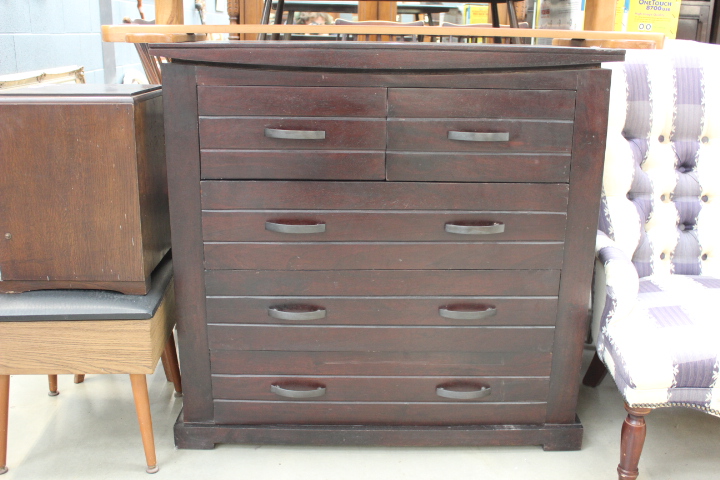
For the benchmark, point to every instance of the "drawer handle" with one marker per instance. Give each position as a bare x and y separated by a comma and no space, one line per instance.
467,312
290,393
295,134
448,392
295,227
479,136
297,312
475,228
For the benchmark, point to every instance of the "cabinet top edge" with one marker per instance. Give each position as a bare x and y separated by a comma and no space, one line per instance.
375,55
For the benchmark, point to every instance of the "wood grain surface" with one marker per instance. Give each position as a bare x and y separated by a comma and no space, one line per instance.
294,101
417,226
87,346
385,311
381,389
218,195
382,282
383,256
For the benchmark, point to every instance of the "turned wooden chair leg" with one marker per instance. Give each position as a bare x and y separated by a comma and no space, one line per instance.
79,378
4,411
595,373
52,385
142,406
170,361
631,442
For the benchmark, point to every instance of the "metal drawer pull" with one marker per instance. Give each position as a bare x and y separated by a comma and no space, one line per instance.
289,393
478,228
297,312
295,227
479,136
465,313
447,392
295,134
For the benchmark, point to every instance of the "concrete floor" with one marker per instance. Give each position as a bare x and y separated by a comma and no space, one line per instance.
90,432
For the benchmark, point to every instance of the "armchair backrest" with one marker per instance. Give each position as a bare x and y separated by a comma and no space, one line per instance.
661,184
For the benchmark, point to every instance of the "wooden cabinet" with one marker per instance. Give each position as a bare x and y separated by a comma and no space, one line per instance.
383,244
83,190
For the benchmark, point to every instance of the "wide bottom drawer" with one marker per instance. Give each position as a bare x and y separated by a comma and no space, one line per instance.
237,412
384,389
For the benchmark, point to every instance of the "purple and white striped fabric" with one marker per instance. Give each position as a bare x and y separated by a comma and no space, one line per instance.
657,296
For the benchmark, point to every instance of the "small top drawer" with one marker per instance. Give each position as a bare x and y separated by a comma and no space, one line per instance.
292,101
481,103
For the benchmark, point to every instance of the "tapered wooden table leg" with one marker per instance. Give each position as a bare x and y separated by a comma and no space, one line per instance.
170,361
4,411
142,406
52,385
631,442
79,378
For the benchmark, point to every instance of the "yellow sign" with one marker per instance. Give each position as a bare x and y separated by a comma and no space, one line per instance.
477,13
655,16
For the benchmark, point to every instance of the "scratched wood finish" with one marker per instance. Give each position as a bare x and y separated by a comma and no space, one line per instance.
249,226
381,389
383,256
473,167
218,195
292,165
313,338
431,135
70,166
385,311
377,413
480,103
382,282
515,363
295,101
249,133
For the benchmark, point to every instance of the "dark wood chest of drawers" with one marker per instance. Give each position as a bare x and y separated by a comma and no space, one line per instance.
382,243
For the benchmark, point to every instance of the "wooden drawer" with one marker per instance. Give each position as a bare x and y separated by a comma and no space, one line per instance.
251,133
380,389
377,413
236,195
383,311
382,282
343,226
293,101
474,167
475,363
523,136
383,256
481,103
292,164
313,338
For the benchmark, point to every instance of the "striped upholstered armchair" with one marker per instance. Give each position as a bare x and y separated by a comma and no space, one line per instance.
657,290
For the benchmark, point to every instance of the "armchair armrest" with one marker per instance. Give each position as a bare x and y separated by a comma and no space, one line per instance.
616,283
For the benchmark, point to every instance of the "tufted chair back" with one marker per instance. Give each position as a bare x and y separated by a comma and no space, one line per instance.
661,186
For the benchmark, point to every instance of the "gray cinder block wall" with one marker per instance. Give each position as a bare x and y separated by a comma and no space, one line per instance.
40,34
